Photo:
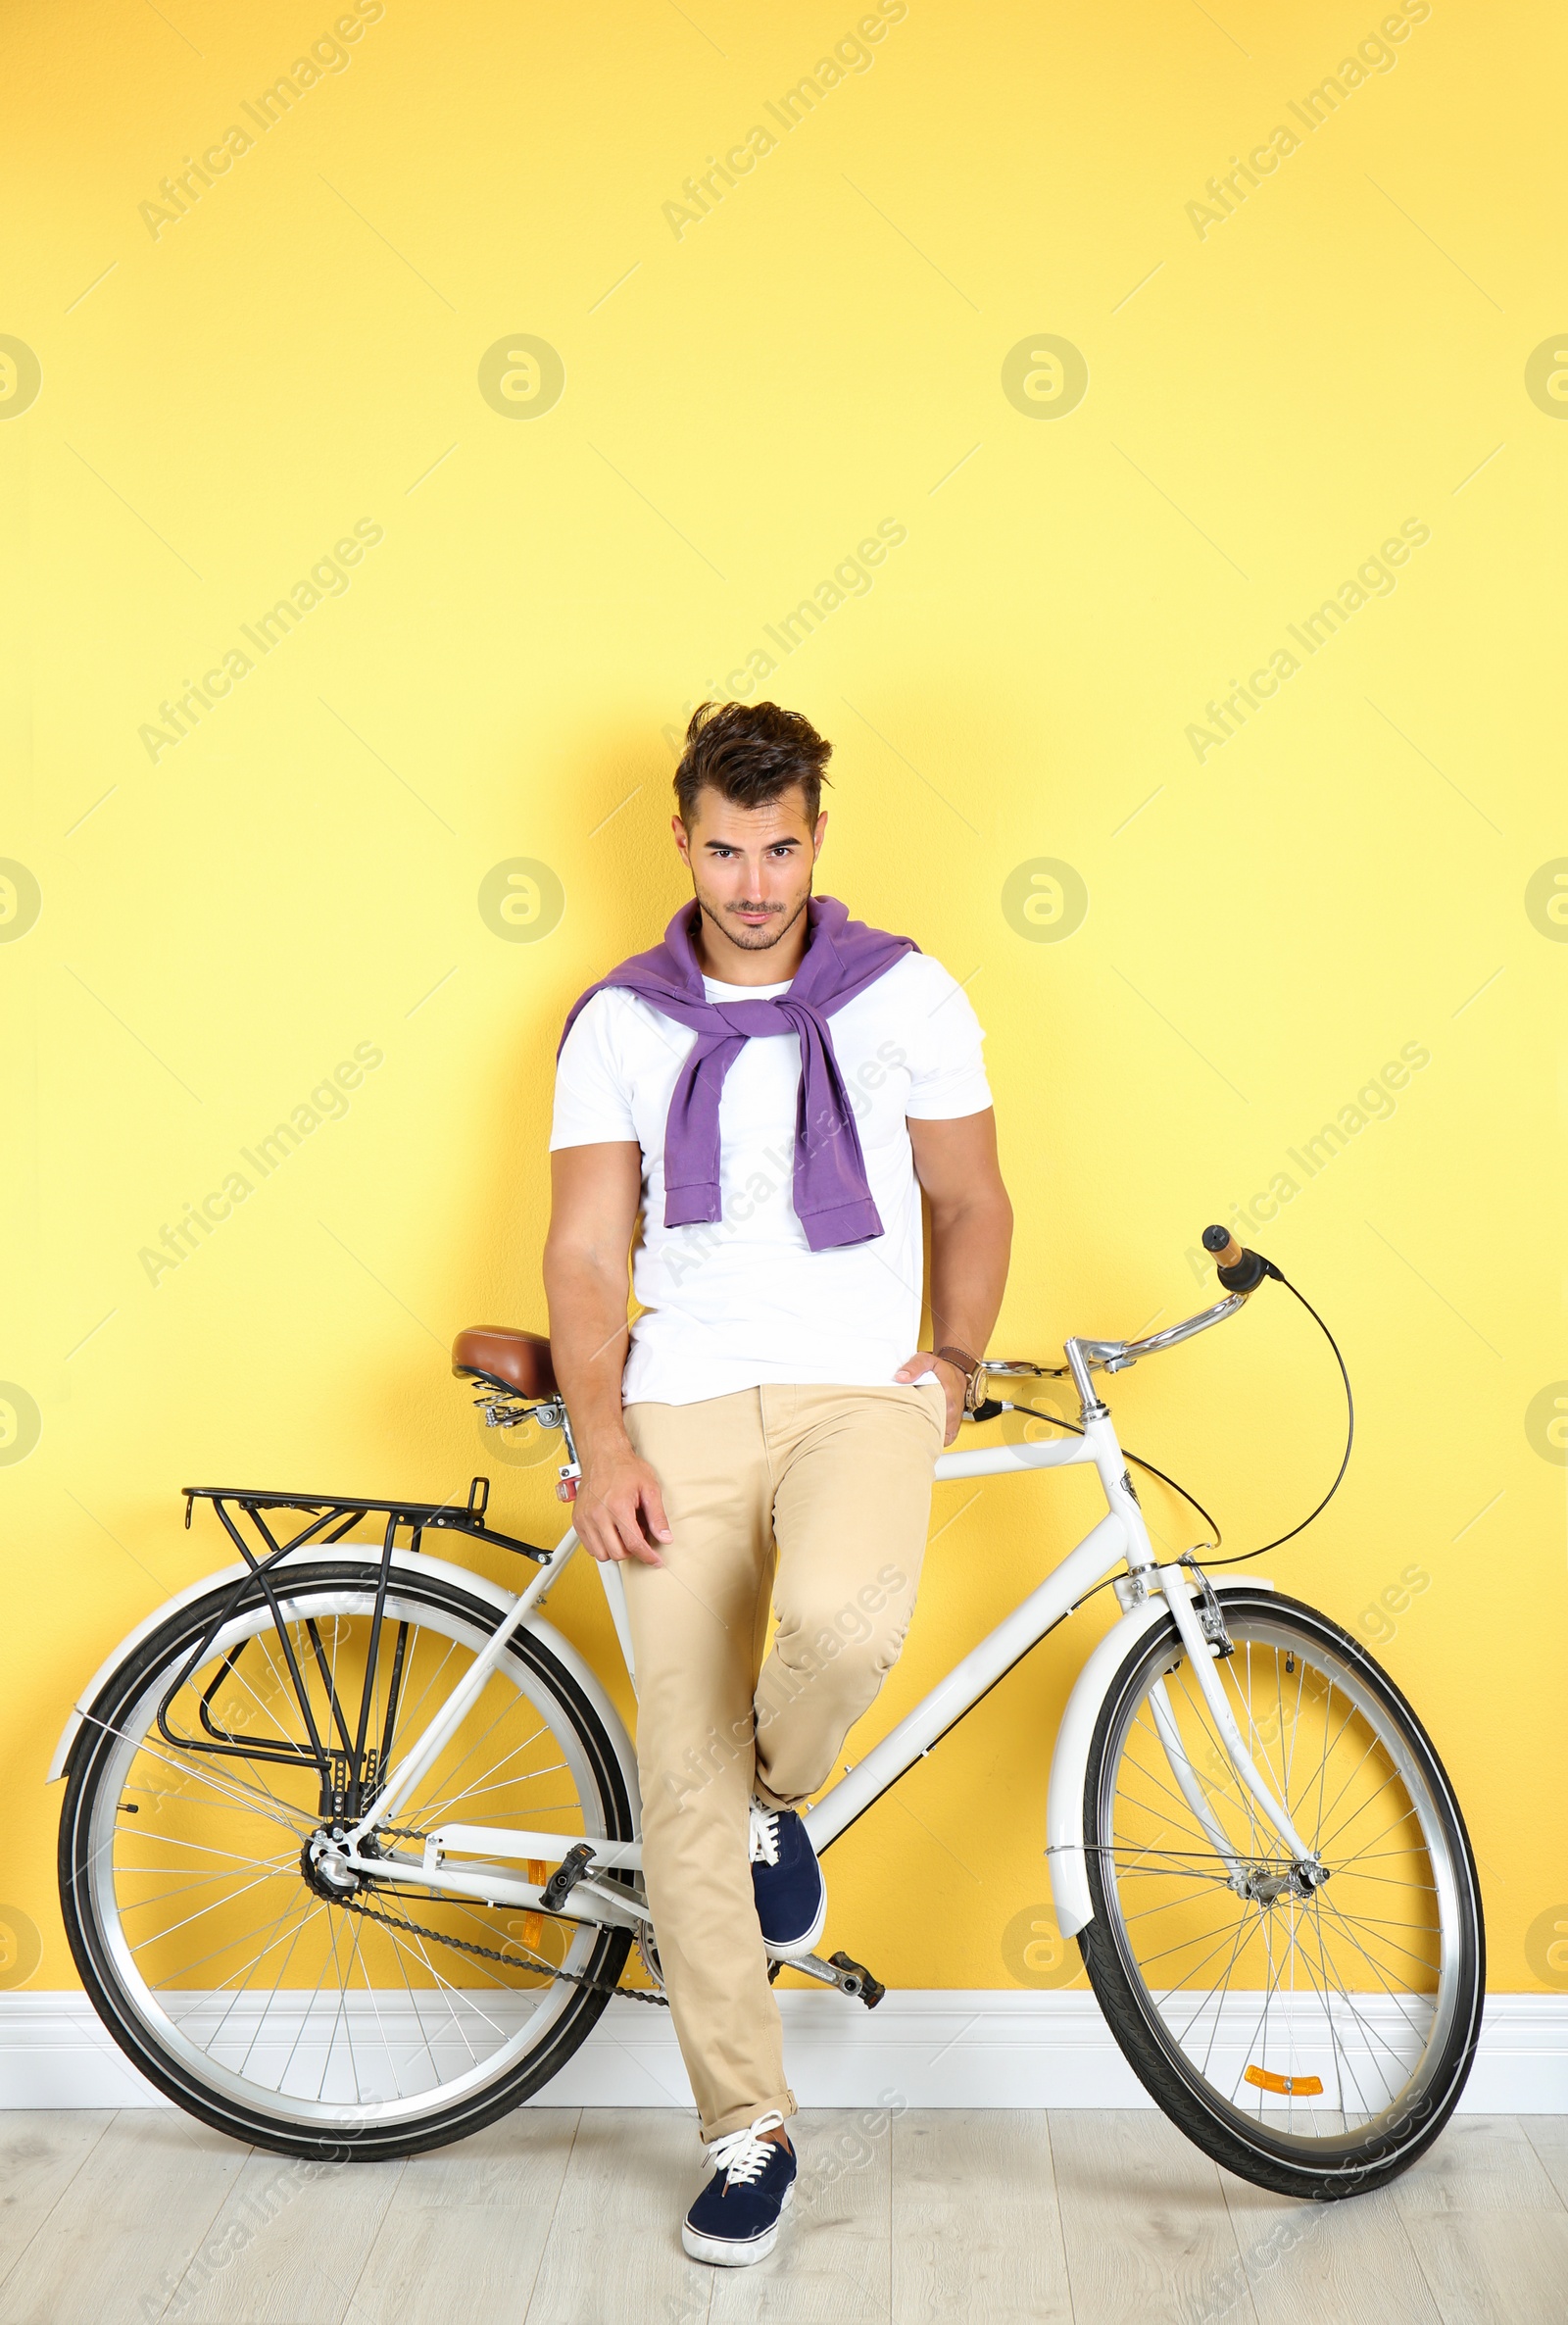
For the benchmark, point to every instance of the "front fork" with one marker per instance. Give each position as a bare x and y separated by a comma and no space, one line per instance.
1196,1612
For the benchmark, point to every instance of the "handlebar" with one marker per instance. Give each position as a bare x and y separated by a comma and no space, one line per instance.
1240,1272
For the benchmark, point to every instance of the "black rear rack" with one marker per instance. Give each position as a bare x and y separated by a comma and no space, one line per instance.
333,1515
350,1766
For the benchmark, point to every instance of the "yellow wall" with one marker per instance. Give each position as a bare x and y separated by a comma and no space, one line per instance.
1272,393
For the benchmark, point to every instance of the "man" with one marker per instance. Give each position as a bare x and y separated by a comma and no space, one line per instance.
771,1087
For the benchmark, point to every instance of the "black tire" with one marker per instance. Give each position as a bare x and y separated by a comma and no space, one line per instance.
90,1882
1442,1958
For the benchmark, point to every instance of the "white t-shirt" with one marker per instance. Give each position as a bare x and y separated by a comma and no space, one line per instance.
746,1299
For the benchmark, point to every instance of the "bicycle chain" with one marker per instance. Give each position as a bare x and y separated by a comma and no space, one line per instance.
415,1929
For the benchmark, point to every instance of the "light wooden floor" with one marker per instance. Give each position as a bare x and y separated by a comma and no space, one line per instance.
560,2217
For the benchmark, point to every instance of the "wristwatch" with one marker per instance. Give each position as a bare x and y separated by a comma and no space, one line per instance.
974,1375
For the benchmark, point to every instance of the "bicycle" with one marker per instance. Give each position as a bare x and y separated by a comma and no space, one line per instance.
349,1848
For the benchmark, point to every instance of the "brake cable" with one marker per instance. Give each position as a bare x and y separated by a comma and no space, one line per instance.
1350,1432
1242,1556
1056,1421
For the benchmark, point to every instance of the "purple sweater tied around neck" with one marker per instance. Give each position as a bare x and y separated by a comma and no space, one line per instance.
832,1194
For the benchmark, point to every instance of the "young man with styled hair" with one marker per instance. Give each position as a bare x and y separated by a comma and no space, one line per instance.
772,1088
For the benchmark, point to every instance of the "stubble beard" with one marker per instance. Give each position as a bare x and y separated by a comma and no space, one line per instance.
753,940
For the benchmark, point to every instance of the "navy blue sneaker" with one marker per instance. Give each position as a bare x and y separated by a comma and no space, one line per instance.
787,1882
735,2220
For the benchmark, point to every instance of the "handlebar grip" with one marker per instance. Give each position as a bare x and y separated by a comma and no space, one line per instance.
1239,1269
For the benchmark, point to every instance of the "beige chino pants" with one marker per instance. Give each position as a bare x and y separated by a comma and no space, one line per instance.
821,1496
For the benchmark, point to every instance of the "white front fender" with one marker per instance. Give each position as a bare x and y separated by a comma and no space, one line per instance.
403,1560
1069,1762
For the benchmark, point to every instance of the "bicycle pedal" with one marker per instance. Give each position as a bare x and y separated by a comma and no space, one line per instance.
855,1979
566,1877
850,1977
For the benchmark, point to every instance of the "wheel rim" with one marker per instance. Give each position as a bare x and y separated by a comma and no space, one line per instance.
1317,2022
267,1994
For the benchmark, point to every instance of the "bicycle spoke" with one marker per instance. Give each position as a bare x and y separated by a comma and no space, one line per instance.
1223,1989
1393,1777
295,1905
481,1740
338,1931
161,1937
247,1969
1387,1855
273,1992
1372,2040
1325,1813
238,1794
447,1801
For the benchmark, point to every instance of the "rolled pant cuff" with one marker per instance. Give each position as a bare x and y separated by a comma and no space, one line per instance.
771,1799
736,2118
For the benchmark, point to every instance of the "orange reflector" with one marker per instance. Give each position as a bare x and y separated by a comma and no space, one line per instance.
533,1924
1262,2078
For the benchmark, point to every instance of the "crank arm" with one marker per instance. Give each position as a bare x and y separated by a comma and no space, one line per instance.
497,1840
850,1977
493,1885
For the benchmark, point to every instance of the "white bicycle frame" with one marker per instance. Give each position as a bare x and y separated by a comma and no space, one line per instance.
1146,1592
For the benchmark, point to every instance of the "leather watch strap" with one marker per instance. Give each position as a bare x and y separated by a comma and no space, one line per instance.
973,1370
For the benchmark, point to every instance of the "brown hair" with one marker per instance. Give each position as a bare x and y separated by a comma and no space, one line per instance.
748,753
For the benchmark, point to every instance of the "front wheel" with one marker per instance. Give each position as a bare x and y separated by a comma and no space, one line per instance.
242,1984
1312,2034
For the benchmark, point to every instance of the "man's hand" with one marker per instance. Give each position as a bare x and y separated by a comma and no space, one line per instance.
620,1510
952,1379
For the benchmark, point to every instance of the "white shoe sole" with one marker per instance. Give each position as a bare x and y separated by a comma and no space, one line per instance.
719,2252
801,1945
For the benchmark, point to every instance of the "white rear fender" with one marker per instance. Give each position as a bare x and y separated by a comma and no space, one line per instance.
1069,1762
403,1561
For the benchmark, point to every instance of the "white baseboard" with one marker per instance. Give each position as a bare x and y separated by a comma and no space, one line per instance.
933,2049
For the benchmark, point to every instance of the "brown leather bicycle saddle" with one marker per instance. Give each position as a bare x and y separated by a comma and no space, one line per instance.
519,1361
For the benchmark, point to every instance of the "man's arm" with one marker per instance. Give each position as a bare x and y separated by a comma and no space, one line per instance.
971,1236
595,1193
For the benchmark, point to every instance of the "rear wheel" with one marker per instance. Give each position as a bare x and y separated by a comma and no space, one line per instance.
219,1957
1313,2039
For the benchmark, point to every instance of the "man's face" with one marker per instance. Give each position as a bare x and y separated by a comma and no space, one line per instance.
751,868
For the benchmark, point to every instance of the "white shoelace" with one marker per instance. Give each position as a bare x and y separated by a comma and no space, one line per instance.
741,2156
764,1835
